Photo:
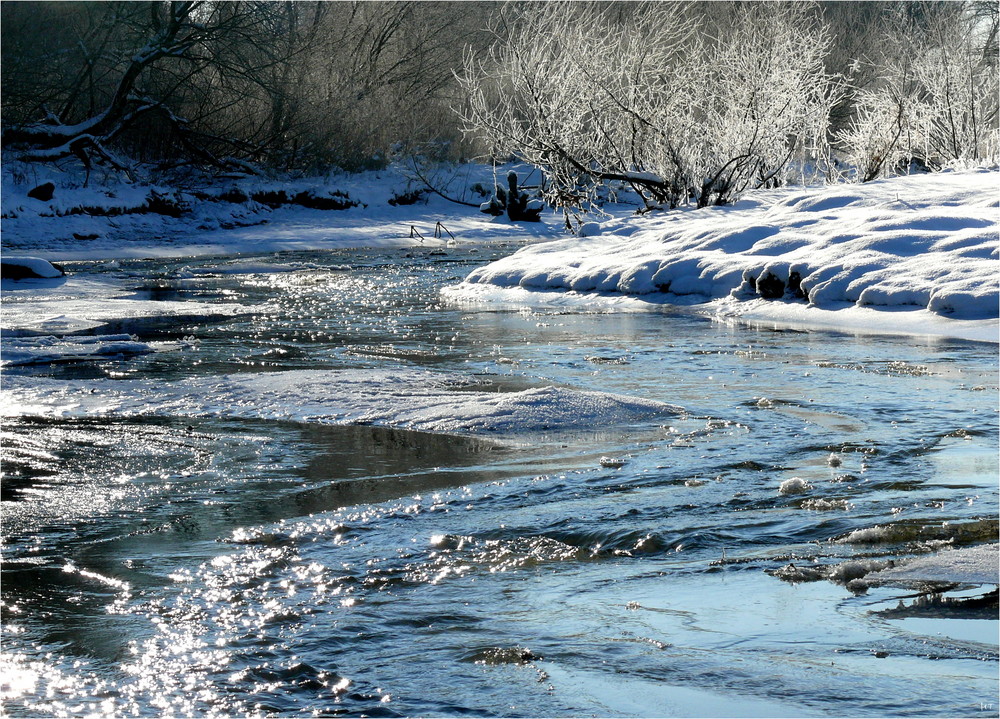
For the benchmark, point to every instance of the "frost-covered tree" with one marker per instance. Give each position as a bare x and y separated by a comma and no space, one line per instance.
933,98
676,102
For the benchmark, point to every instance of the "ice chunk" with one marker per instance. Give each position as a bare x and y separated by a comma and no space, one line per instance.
969,565
613,461
795,485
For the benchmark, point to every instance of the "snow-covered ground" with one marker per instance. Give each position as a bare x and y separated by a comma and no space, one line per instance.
914,254
75,224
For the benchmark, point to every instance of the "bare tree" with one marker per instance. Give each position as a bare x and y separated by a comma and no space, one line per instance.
301,84
92,117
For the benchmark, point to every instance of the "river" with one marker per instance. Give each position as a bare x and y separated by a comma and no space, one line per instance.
186,563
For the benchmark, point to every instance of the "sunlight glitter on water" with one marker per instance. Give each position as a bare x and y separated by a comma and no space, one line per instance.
254,566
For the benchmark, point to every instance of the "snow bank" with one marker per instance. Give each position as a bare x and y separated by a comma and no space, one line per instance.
417,400
924,242
115,221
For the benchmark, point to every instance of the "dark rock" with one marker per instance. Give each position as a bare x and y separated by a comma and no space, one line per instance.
770,287
43,192
18,271
795,286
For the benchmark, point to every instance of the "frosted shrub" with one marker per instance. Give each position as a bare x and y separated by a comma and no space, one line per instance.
961,94
678,102
885,125
765,98
934,99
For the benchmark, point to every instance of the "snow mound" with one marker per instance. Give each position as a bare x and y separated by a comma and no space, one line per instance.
925,242
22,268
408,399
970,565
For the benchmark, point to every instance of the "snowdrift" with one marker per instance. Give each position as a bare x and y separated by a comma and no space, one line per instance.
923,242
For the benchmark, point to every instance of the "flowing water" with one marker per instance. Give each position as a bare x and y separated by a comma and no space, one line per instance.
188,564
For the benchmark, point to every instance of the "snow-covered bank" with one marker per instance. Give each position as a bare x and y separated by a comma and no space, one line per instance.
910,255
408,399
21,268
924,244
382,209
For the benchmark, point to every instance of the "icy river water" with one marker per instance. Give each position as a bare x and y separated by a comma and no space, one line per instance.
179,563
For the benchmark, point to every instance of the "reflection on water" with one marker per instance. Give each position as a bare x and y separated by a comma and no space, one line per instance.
199,566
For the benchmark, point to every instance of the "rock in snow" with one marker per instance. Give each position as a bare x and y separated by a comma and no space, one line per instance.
27,268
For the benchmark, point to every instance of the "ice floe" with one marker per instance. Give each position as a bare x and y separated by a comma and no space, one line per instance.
968,565
49,349
417,400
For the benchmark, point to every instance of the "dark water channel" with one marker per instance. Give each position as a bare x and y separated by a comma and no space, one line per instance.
182,563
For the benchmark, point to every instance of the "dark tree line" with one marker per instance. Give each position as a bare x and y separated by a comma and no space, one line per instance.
295,85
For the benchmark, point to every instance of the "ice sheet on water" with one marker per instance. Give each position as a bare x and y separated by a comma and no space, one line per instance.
972,565
412,399
87,305
252,267
49,349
